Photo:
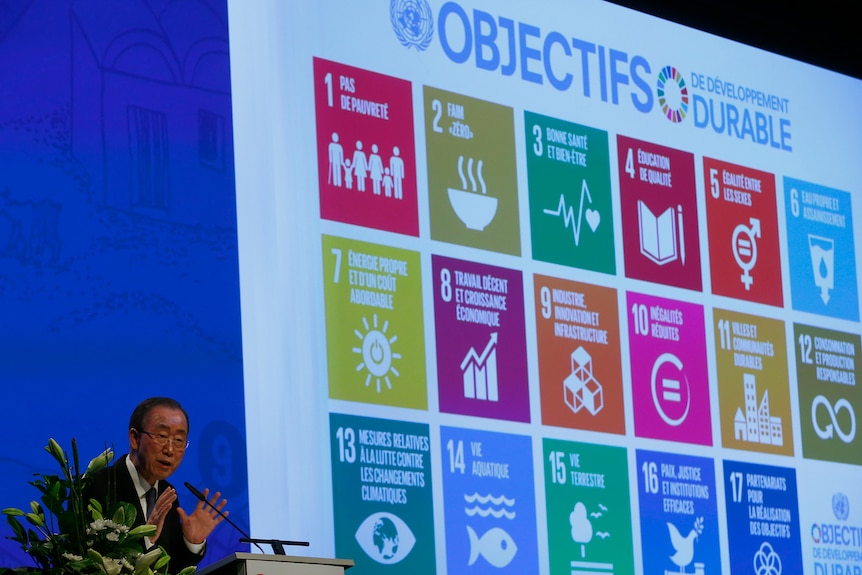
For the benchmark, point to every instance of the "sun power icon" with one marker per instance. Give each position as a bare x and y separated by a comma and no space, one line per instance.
376,353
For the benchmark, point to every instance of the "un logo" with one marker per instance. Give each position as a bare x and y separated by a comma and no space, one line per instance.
840,506
412,22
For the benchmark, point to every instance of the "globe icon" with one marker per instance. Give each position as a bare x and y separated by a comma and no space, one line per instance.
386,537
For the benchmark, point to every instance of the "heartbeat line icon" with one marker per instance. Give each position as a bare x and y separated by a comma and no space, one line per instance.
592,216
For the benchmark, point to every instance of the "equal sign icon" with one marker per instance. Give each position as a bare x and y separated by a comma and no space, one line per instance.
670,390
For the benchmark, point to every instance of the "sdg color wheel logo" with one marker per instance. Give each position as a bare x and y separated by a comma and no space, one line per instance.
672,94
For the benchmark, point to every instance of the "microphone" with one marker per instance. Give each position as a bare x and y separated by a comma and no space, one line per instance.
277,544
203,498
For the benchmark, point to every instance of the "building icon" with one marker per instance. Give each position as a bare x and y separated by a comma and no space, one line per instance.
757,424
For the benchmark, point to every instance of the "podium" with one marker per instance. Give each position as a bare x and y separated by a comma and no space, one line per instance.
254,564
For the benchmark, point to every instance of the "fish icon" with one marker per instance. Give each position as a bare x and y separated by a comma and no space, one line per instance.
496,546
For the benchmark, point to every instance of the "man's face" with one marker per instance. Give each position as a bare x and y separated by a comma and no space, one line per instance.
153,461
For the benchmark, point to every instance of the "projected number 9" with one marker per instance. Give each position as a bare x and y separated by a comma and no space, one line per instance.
346,444
545,296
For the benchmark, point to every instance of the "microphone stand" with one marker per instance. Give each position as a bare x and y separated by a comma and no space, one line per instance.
277,544
203,498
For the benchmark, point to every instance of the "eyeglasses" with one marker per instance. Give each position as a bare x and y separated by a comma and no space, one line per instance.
160,439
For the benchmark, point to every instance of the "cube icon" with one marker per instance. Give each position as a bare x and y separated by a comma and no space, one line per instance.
582,364
580,388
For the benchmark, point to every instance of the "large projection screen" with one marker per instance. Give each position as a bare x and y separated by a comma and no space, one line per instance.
546,287
457,287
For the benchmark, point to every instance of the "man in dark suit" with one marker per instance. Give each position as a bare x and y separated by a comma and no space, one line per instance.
158,437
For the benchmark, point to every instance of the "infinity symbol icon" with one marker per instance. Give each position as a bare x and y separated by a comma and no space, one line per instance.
827,432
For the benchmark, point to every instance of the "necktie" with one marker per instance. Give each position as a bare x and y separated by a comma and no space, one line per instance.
150,496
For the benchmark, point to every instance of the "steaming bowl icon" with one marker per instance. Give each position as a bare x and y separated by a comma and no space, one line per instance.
475,210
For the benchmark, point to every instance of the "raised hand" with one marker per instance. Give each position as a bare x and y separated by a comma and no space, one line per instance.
201,522
160,511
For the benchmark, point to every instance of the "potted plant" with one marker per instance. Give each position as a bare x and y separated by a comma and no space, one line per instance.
65,535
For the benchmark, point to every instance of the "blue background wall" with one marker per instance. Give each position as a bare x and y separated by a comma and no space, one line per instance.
118,244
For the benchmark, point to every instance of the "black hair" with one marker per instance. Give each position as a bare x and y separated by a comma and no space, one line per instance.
139,415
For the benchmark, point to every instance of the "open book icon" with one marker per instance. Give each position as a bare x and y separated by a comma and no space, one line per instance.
658,234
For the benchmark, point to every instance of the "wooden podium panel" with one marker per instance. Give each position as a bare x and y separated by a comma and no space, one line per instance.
254,564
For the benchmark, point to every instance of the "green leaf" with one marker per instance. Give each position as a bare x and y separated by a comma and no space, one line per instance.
107,566
11,511
82,566
120,515
141,531
95,509
147,560
99,462
35,519
53,503
131,512
165,559
56,452
20,534
188,570
69,522
33,537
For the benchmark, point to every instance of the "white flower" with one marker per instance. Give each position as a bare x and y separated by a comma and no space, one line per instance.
100,525
73,557
96,526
